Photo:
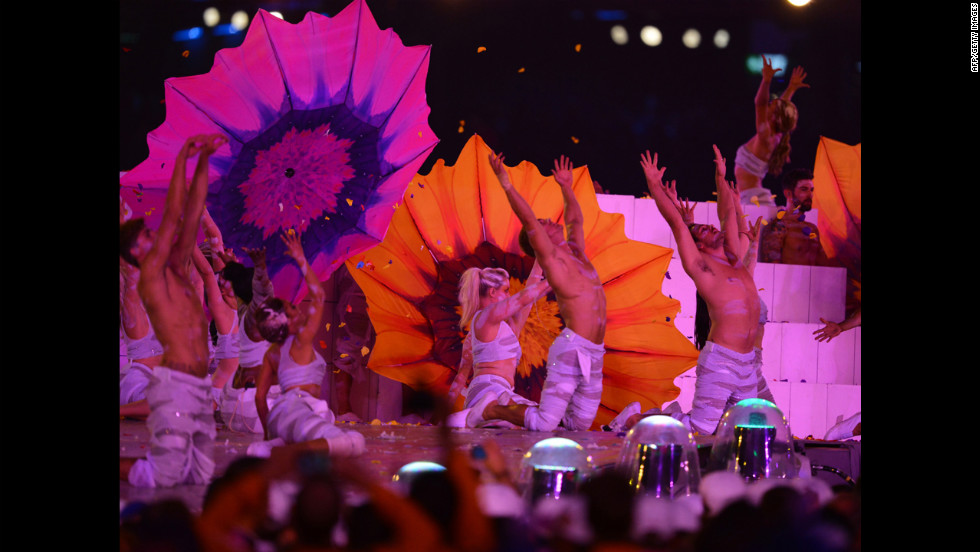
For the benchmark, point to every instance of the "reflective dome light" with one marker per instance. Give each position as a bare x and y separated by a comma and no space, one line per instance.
753,440
722,38
798,3
211,17
553,468
651,36
239,20
407,473
276,14
691,38
619,34
660,457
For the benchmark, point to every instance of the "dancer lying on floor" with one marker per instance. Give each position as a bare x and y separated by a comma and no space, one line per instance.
573,387
298,414
491,348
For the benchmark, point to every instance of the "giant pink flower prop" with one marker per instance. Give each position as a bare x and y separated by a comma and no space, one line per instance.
327,125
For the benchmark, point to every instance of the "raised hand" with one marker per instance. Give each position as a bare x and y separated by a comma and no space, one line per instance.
497,164
753,230
796,79
671,190
257,255
294,248
720,163
651,171
767,71
687,211
563,172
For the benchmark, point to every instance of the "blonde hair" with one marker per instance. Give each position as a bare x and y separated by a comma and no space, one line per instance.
474,284
783,119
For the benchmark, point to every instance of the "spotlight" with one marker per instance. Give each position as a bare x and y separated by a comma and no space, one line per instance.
753,440
211,17
619,34
553,468
651,36
691,38
798,3
661,458
722,38
407,473
239,20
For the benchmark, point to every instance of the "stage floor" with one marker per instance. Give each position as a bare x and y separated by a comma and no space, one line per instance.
389,447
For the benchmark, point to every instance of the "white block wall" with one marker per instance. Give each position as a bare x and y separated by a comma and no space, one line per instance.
812,382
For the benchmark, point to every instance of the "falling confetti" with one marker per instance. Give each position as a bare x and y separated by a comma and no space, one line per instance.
350,202
349,309
575,140
365,351
667,274
521,70
328,326
765,222
186,53
481,49
360,264
342,324
343,355
780,215
755,201
578,47
323,344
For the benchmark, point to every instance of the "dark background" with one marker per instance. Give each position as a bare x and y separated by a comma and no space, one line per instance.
617,101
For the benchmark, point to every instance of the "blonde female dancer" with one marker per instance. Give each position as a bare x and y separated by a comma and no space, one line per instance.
491,347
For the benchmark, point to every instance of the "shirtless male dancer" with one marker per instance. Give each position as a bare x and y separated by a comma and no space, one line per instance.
573,387
728,368
181,420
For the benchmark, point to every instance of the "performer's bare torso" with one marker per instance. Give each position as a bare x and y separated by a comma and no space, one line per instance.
581,299
733,304
178,319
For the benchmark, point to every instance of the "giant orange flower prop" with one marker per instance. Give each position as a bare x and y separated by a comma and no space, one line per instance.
458,217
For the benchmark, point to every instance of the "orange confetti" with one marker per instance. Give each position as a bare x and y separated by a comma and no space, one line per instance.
521,70
765,222
780,215
578,47
460,130
481,49
343,355
342,324
326,218
328,326
575,140
186,53
755,201
365,351
350,202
